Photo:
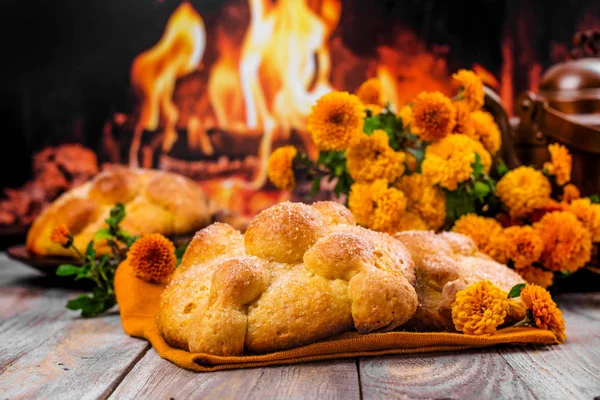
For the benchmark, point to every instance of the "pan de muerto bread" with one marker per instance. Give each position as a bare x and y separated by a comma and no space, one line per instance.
446,263
299,274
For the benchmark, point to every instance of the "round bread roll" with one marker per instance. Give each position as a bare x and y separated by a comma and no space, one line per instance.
155,202
299,274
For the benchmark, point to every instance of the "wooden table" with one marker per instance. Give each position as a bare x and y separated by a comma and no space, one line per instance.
47,351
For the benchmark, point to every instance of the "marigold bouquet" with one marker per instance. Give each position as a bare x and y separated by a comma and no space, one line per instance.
434,165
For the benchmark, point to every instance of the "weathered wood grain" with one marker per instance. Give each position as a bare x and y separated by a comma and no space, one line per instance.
473,374
569,371
153,377
49,352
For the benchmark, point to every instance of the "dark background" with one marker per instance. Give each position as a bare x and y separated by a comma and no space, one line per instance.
66,63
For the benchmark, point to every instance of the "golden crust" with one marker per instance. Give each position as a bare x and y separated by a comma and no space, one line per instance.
155,201
446,263
301,274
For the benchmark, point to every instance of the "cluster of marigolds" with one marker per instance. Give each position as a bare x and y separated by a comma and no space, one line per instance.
542,225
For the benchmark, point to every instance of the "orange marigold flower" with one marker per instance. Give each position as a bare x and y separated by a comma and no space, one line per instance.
537,275
523,245
152,257
61,235
560,164
410,221
517,311
464,123
410,161
567,244
472,88
433,116
545,313
570,193
487,233
374,108
589,214
370,157
480,308
371,92
487,131
550,206
406,115
448,162
335,120
523,190
377,206
424,199
280,167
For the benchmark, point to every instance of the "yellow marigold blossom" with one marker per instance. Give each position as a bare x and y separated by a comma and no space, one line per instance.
370,157
517,311
570,193
480,308
280,167
374,108
464,123
424,199
448,162
410,221
567,244
546,315
472,88
523,190
536,275
487,131
589,214
335,120
523,245
406,115
410,161
377,206
433,116
152,257
61,235
371,92
560,164
487,233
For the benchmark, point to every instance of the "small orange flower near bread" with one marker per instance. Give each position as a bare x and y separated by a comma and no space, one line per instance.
280,167
433,116
567,244
560,164
536,275
370,157
480,308
449,161
517,311
152,257
545,313
464,123
377,206
487,233
570,193
61,235
589,214
472,88
371,92
335,120
523,190
523,245
486,131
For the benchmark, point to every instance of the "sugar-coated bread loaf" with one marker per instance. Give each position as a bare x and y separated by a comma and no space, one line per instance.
446,263
299,274
155,202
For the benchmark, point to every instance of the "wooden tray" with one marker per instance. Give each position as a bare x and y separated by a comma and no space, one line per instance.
47,265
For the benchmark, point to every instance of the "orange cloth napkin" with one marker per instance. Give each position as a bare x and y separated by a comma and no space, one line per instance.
139,299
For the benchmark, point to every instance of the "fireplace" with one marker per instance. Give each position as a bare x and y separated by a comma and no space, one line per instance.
208,88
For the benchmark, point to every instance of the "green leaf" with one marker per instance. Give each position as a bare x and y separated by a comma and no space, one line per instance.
477,166
90,252
481,190
180,251
516,290
417,153
68,269
501,168
117,213
371,124
595,199
458,203
316,186
103,234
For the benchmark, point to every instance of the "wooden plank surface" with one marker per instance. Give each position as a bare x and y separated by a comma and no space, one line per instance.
49,352
153,377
